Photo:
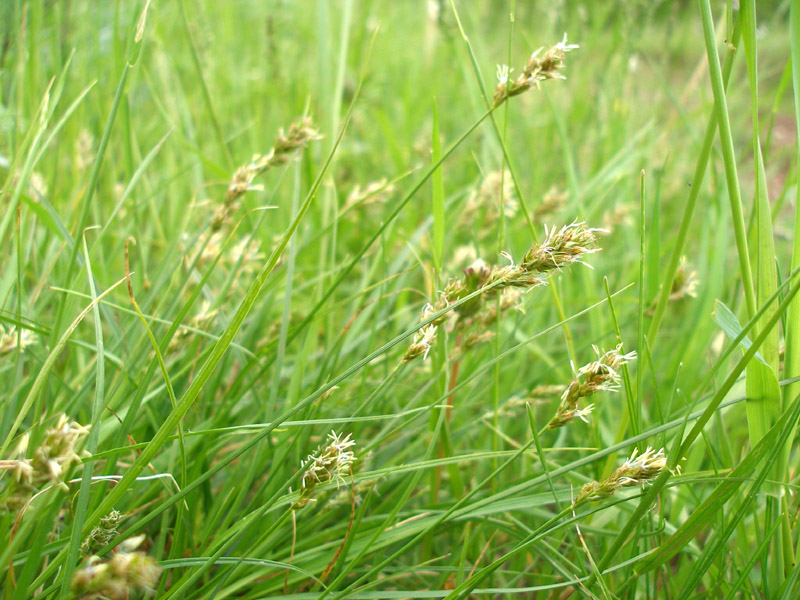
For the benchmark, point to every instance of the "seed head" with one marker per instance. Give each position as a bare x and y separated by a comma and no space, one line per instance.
326,465
562,248
603,373
421,343
11,339
423,338
374,194
639,469
510,297
563,417
300,134
126,572
540,67
49,465
102,534
599,375
517,276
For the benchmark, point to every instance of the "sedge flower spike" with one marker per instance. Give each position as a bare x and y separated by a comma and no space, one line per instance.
600,375
540,67
12,340
562,247
287,144
639,469
329,464
127,572
423,339
102,534
49,465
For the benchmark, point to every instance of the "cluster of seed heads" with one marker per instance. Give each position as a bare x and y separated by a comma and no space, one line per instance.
328,464
597,376
639,469
126,572
49,464
287,144
540,67
560,248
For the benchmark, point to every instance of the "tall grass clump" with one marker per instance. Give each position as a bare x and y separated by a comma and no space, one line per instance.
307,304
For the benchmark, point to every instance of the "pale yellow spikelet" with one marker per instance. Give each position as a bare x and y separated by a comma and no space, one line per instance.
540,67
639,469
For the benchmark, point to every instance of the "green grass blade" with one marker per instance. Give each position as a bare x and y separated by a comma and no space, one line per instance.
762,383
212,113
729,158
94,434
437,180
691,203
94,178
791,368
729,324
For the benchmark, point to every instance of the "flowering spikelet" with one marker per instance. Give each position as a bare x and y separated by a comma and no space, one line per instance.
455,290
423,338
599,375
487,317
300,133
476,338
326,465
375,193
639,469
102,534
49,466
127,571
561,248
540,67
11,340
513,275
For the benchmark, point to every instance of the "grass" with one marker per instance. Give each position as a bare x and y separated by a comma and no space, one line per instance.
295,303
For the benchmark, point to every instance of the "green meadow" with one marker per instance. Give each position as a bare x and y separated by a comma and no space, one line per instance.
387,300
